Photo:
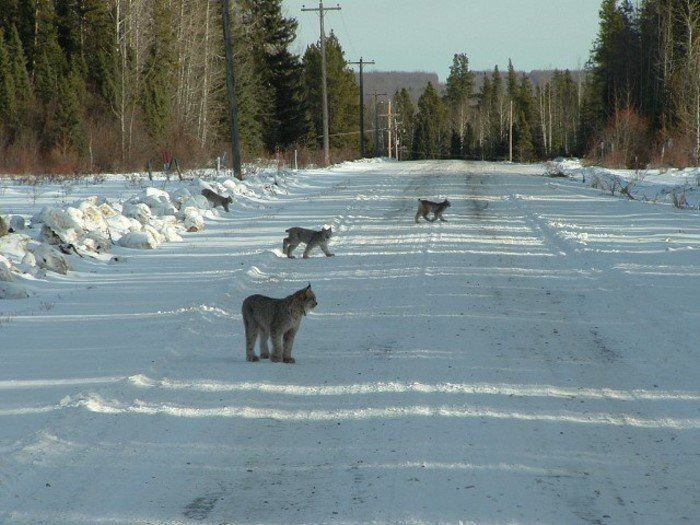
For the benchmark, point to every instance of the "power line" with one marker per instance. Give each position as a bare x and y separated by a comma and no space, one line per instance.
324,87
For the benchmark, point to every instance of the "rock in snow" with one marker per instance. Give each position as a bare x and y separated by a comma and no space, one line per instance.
49,258
138,240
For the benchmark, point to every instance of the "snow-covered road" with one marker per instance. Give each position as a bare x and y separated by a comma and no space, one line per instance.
533,360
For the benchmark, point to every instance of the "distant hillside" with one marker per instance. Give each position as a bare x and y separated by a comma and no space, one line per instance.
391,81
415,81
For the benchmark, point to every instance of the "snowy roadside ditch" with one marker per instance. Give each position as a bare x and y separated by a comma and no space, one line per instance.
46,244
674,187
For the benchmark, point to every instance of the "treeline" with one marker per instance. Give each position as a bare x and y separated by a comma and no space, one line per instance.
638,101
99,85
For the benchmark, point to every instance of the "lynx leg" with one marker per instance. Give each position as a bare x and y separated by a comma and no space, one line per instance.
285,245
290,248
325,249
307,251
251,334
264,350
277,348
417,215
439,216
288,344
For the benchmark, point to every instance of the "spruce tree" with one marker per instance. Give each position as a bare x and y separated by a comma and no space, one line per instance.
50,63
431,138
100,55
405,115
23,89
499,111
280,71
343,93
512,81
8,104
486,116
68,120
159,74
524,122
459,92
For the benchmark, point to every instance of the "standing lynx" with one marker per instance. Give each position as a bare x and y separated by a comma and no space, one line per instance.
276,319
436,208
310,237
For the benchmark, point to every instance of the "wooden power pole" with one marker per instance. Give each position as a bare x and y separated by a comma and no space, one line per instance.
388,130
324,86
231,86
510,136
376,122
362,63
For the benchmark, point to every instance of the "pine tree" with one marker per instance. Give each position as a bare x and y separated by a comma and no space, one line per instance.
430,132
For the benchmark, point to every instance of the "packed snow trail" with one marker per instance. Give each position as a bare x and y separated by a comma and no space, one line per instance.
533,359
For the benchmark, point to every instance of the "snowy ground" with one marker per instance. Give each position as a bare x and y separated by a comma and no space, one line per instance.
533,360
672,187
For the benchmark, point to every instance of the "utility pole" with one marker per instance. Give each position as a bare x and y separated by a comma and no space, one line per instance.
361,63
376,122
388,130
324,87
231,86
396,140
510,137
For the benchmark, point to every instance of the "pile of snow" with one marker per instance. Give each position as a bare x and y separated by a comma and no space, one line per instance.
679,188
91,226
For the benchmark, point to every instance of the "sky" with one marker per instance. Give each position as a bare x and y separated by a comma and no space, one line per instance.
423,35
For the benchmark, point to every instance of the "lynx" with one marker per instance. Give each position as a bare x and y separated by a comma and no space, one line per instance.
276,319
217,200
436,208
310,237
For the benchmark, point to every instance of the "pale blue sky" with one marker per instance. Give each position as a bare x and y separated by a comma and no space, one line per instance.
423,35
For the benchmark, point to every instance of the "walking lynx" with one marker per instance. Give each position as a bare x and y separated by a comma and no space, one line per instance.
310,237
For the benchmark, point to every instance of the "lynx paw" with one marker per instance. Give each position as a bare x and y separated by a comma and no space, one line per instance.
275,359
265,356
252,358
289,360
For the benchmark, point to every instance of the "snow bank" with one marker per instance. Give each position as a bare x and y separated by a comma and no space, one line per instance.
679,188
91,226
